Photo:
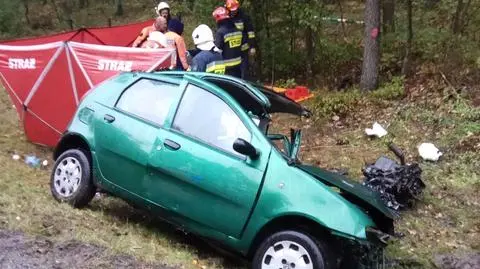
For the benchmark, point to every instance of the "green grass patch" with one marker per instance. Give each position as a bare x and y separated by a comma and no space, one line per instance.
26,205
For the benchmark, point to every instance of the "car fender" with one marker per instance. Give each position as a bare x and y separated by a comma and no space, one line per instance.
290,192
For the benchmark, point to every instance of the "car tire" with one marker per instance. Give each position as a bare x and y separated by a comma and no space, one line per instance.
71,179
311,251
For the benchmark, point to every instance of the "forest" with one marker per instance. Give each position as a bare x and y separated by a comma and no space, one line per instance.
411,65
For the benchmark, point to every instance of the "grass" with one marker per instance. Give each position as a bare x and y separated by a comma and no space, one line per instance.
27,205
446,220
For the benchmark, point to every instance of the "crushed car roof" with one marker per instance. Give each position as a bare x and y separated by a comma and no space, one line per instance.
271,101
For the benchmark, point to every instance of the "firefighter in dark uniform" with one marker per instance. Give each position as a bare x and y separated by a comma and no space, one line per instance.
230,41
243,23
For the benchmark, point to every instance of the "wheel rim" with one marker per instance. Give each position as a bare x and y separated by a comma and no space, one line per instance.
68,175
287,255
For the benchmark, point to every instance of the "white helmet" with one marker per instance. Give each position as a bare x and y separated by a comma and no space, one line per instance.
161,5
203,37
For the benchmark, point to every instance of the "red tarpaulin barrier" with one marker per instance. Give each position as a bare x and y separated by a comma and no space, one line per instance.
45,82
122,36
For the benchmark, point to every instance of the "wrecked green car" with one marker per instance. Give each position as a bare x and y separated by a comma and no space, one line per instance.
195,149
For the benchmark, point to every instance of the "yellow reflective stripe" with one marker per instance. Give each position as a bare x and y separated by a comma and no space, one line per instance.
218,67
234,39
251,34
239,26
234,35
245,46
233,62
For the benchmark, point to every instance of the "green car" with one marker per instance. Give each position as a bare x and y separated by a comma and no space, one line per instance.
195,149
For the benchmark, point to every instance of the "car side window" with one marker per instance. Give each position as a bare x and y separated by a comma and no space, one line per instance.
149,99
206,117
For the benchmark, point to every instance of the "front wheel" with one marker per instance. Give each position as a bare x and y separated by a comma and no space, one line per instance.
71,179
291,250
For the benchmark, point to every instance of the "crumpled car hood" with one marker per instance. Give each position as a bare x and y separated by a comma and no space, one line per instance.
351,187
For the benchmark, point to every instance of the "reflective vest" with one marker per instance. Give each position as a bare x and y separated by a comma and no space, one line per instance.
243,23
228,67
232,42
203,59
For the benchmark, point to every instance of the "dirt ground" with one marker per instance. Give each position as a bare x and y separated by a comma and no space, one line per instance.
20,251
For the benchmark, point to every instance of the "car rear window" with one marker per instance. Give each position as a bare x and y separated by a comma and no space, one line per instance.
149,99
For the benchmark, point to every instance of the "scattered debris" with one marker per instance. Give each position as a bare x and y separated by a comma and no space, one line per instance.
399,185
429,152
32,161
377,130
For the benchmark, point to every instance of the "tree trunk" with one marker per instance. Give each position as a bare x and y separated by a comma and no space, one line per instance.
342,17
457,17
259,23
467,16
406,60
293,28
389,16
310,54
119,5
55,8
429,4
371,51
25,5
82,3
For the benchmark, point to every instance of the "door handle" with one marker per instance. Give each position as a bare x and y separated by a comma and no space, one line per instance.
109,118
171,144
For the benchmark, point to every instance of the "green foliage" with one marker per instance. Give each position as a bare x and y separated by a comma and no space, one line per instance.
281,28
9,23
286,83
327,104
392,90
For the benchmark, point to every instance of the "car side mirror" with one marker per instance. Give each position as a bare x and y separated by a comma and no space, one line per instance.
243,147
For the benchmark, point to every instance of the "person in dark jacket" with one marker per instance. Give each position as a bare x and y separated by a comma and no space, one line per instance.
243,23
230,41
209,58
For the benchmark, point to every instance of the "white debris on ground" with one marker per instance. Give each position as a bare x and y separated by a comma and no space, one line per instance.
377,130
429,152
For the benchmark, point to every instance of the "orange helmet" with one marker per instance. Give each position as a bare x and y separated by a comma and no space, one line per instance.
220,14
232,5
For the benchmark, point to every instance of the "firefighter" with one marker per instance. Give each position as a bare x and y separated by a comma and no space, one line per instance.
230,41
163,9
209,58
159,25
243,23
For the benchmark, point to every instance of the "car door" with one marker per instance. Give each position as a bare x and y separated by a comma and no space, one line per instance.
197,173
126,133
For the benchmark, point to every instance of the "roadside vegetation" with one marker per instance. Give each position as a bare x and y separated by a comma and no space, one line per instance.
436,100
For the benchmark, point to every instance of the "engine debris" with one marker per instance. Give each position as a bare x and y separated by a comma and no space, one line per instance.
399,185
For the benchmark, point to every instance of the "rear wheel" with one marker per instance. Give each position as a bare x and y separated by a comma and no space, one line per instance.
291,250
71,179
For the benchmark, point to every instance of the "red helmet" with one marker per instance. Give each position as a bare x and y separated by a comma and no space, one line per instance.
232,5
220,13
